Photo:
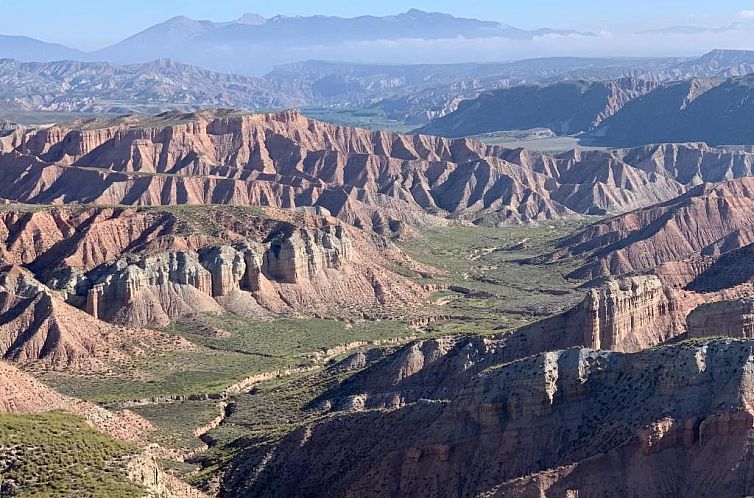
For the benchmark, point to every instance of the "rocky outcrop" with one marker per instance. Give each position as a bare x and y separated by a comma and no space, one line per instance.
303,270
40,331
576,422
624,112
376,180
723,319
146,470
101,87
633,314
145,267
623,315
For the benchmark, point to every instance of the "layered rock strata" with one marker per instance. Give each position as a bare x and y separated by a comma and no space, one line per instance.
376,180
39,331
568,423
148,267
707,222
724,319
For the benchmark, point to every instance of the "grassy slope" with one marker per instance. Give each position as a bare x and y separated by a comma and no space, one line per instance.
58,454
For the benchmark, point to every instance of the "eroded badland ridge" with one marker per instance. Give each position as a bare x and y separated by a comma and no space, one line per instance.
365,178
281,306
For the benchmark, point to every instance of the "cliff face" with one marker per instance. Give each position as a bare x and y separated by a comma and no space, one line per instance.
148,267
594,423
371,179
307,270
724,318
633,314
40,331
702,110
375,180
623,315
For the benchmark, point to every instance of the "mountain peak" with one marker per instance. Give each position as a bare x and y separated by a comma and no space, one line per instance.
251,19
417,13
179,20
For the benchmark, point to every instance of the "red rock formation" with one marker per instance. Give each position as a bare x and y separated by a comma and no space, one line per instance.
376,180
723,319
40,331
146,267
708,220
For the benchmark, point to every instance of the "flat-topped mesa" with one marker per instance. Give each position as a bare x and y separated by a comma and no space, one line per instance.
734,318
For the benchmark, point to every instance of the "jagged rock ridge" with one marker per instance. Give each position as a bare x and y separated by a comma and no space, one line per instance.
375,180
692,230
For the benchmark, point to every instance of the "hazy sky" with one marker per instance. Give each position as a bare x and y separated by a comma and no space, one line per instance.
90,24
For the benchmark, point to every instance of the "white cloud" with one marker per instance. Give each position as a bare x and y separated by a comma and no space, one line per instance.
746,14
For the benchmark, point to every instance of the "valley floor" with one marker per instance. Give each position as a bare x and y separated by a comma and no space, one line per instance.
486,284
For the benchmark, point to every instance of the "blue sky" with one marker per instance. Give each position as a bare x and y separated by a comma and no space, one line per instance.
90,24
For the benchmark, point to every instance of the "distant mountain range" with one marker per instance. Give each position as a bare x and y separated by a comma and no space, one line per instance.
566,108
101,87
408,93
253,44
337,82
710,105
714,111
30,49
695,30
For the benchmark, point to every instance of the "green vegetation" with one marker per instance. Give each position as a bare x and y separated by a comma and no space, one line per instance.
176,422
371,119
486,285
253,347
58,454
491,284
294,340
271,411
203,371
